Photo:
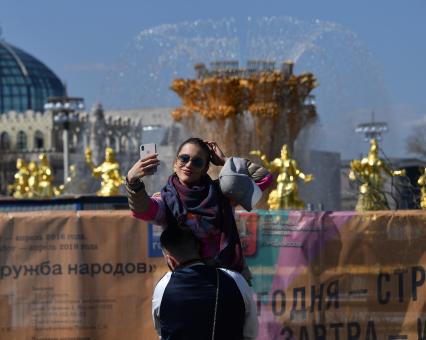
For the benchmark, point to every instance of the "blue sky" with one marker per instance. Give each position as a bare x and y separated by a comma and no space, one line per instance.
79,39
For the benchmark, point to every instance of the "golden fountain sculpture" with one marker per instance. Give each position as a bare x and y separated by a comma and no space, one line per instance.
34,180
19,188
368,171
286,194
44,178
109,171
214,105
422,182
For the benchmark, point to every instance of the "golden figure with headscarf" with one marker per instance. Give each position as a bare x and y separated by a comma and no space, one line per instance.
19,189
422,182
45,178
368,171
33,179
109,171
286,194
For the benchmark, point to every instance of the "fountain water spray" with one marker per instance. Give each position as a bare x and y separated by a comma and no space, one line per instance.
350,82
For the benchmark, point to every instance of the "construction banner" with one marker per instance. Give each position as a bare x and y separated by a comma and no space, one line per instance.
328,275
76,275
338,275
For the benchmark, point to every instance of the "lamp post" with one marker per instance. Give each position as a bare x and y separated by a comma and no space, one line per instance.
373,129
64,109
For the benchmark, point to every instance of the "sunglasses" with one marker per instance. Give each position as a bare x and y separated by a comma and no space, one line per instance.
197,162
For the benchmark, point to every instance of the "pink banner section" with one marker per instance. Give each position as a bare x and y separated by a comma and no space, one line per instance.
316,275
341,275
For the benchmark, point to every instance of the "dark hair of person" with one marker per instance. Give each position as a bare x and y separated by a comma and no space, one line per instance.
180,242
199,142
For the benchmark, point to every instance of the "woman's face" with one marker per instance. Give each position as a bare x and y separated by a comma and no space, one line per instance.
191,164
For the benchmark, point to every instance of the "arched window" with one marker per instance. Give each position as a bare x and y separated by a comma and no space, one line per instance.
38,140
112,142
124,143
21,140
4,141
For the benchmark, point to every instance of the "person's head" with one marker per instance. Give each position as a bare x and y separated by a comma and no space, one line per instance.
109,155
43,159
192,161
32,166
179,245
284,152
20,163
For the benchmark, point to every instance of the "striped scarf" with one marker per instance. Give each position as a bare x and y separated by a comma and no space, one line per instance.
213,211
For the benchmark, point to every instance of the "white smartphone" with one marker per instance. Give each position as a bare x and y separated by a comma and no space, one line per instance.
147,149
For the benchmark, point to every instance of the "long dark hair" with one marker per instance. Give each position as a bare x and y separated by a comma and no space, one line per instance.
199,142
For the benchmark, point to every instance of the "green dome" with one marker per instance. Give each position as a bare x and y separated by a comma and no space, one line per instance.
25,82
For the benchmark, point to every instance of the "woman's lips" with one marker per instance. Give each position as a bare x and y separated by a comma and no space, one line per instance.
187,172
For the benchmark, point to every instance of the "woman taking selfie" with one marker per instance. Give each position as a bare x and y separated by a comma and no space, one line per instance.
193,200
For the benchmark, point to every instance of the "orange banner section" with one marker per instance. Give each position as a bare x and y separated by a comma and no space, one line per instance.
89,275
76,275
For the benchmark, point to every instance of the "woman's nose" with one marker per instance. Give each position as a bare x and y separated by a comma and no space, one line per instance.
189,164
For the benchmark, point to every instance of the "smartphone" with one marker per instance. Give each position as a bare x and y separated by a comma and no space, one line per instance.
147,149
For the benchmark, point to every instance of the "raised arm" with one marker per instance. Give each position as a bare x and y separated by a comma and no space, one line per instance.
305,177
268,165
139,200
89,161
355,169
217,157
391,172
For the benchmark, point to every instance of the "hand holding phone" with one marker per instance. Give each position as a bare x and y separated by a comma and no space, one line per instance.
146,150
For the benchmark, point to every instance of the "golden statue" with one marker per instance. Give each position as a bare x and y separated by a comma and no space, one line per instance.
422,182
33,179
44,177
109,171
368,171
286,194
19,189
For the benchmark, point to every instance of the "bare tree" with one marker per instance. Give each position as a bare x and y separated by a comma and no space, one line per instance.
416,141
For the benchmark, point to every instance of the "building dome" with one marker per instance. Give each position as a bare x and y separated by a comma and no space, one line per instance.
25,82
